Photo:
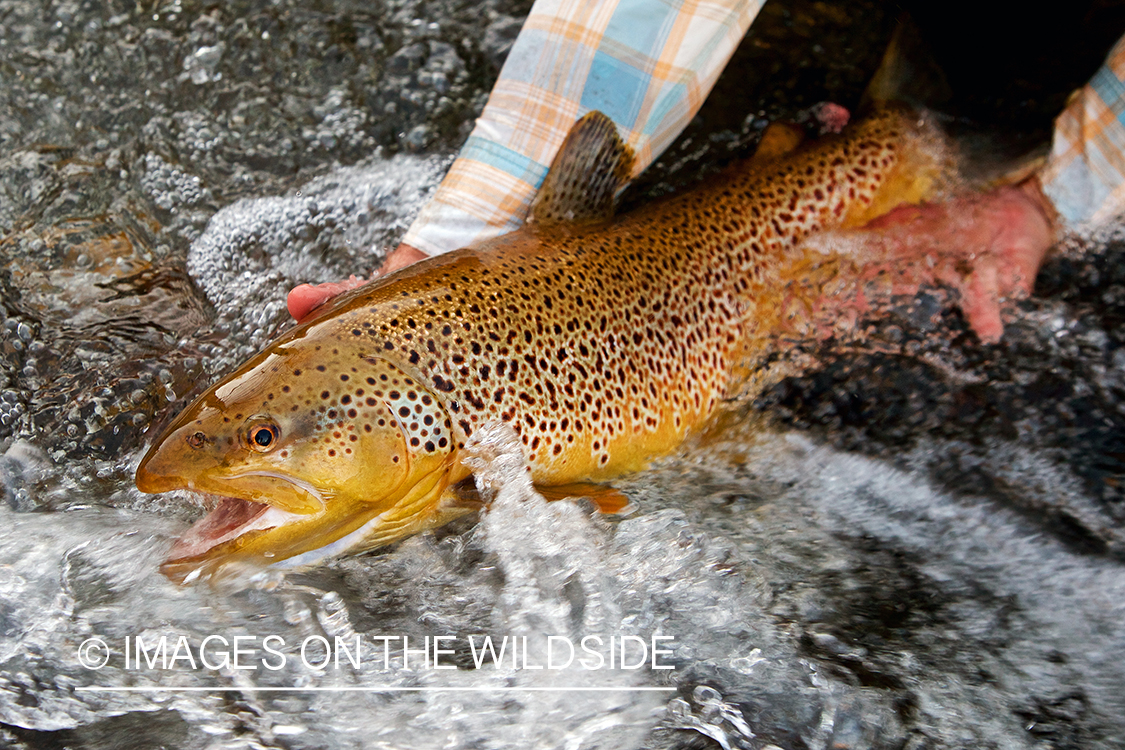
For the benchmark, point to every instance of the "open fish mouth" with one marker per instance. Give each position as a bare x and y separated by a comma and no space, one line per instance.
224,529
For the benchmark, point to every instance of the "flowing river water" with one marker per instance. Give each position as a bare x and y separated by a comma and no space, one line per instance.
912,541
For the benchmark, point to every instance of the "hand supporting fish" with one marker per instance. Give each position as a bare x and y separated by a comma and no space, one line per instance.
601,341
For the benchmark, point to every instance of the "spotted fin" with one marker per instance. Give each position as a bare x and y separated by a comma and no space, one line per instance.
590,168
605,499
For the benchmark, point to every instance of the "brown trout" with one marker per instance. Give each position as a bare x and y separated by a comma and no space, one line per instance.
601,341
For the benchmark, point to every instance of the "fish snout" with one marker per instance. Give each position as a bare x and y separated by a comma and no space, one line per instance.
176,461
158,471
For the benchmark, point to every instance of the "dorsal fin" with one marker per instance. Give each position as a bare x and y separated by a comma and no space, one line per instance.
590,167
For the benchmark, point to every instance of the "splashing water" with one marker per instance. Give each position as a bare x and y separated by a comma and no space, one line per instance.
253,247
815,598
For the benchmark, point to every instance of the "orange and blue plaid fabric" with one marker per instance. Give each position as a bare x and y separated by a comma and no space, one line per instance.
647,64
1085,173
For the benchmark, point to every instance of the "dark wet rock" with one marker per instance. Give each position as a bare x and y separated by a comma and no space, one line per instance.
127,732
499,37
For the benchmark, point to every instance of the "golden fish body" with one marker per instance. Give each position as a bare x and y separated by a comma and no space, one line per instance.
601,343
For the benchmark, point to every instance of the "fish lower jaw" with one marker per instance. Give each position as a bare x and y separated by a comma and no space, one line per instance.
231,519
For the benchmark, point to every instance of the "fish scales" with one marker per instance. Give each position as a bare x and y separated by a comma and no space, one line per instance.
602,345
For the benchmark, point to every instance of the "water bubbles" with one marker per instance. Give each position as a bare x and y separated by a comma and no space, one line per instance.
289,730
341,122
170,186
202,65
745,664
201,135
418,137
297,613
254,250
333,616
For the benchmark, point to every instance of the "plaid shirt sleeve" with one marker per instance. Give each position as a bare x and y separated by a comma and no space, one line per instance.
647,64
1085,174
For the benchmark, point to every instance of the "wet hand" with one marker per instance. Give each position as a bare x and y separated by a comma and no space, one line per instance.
988,247
306,298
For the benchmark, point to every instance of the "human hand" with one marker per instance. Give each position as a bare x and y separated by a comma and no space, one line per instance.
306,298
988,247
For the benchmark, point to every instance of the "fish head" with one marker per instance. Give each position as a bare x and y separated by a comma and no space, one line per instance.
312,452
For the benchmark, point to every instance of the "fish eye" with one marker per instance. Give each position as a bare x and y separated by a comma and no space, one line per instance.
197,440
262,436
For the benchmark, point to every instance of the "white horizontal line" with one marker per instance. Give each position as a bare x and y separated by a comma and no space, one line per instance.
375,689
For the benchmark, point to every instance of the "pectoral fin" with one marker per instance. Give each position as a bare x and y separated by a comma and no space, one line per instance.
462,496
605,499
592,165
